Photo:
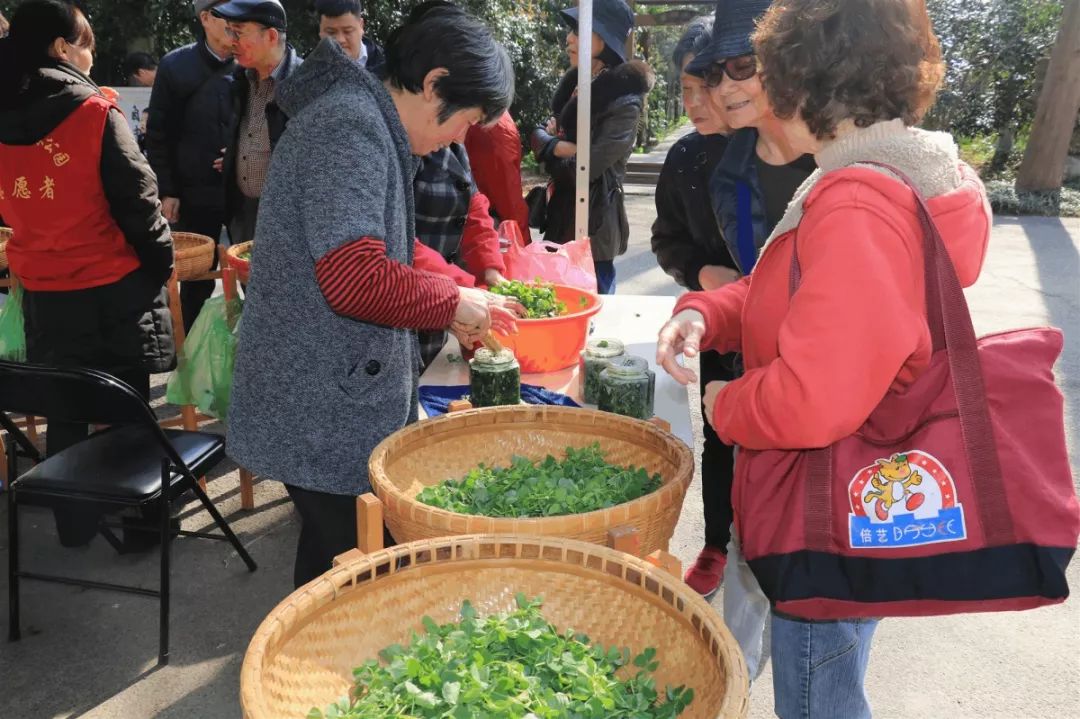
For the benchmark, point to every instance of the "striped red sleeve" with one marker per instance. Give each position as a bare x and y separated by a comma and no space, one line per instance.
361,282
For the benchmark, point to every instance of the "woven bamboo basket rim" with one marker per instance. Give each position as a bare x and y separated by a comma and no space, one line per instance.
447,554
475,421
193,254
6,234
235,250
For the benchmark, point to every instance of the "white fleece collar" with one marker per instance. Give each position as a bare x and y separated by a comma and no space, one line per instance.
930,159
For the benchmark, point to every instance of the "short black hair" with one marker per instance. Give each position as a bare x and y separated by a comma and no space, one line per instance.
693,41
440,34
337,8
139,61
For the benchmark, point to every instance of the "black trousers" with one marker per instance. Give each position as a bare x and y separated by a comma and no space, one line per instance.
327,528
717,460
207,221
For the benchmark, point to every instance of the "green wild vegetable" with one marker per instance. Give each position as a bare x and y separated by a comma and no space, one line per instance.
538,298
582,482
513,666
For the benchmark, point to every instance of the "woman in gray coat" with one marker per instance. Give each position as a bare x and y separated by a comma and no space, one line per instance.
328,358
619,88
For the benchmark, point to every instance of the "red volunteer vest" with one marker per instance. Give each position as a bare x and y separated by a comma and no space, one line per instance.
51,195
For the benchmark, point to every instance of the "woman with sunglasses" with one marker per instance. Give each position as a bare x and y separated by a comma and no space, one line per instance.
619,88
749,190
760,170
90,246
689,246
848,81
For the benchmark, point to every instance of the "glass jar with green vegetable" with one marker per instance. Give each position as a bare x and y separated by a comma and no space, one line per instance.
494,378
628,387
596,356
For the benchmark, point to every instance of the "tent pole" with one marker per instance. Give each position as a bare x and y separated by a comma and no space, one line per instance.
584,116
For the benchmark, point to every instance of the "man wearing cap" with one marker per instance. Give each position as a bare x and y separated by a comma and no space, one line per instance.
343,21
188,124
257,29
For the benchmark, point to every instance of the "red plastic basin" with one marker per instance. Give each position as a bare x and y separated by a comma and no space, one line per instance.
555,343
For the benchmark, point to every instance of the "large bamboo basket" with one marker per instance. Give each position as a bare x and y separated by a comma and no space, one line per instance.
303,653
450,446
193,254
5,235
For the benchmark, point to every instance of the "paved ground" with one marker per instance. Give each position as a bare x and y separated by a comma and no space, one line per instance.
91,654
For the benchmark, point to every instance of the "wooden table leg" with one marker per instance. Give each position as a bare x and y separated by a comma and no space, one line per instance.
625,539
369,523
247,489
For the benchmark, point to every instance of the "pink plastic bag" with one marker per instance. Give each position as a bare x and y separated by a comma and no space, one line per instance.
570,264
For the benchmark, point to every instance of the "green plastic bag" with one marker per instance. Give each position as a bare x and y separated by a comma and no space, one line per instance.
12,332
204,366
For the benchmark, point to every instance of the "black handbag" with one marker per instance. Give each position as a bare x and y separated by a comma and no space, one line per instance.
537,201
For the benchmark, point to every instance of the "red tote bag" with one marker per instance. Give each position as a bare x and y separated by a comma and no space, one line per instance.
955,496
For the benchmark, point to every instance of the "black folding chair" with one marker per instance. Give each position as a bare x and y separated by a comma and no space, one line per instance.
133,463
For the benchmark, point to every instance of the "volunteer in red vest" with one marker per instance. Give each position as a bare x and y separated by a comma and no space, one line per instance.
90,246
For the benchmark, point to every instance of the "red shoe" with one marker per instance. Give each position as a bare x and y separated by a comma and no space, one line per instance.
880,510
915,501
705,575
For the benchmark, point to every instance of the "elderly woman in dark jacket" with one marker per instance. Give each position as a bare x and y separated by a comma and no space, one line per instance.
619,88
690,247
90,246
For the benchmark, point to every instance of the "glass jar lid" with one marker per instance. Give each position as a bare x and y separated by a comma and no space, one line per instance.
603,348
484,356
628,366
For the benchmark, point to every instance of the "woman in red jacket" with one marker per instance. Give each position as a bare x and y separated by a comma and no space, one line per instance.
90,247
850,78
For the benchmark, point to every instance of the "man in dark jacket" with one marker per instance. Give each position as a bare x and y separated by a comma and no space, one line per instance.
343,21
257,29
191,112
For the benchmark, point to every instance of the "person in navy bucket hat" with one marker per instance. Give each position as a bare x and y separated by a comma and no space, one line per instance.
612,21
619,87
735,22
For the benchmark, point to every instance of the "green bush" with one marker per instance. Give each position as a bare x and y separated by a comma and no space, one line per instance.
1005,200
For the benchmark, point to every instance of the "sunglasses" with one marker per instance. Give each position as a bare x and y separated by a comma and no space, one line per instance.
738,68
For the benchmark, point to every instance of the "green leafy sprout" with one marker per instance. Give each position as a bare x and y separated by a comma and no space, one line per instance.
537,297
582,482
511,666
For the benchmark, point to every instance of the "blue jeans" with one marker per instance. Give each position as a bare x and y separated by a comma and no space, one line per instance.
819,668
605,276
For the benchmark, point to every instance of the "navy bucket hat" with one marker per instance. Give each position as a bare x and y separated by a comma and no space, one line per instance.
734,24
612,21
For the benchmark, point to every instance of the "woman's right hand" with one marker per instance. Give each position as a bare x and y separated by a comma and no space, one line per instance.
478,312
680,336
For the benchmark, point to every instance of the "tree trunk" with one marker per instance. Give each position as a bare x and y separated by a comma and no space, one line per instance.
1044,161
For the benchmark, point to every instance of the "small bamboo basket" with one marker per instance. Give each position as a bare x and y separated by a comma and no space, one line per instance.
5,235
450,446
193,255
303,653
238,263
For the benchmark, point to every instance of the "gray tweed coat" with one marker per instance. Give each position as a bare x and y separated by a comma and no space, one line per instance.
313,391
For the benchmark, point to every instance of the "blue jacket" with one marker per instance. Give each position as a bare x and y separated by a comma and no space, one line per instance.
735,179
